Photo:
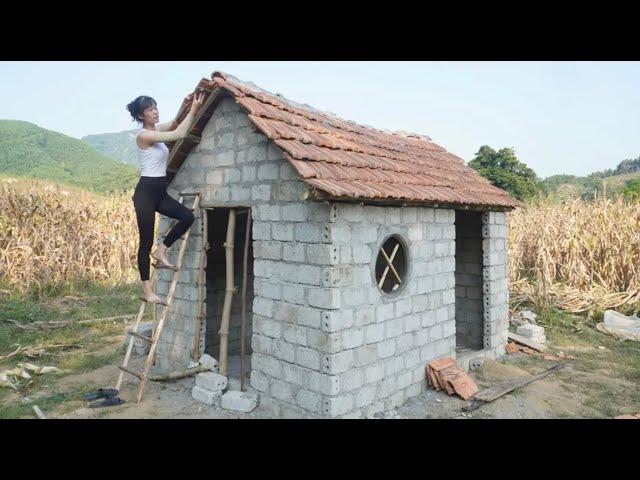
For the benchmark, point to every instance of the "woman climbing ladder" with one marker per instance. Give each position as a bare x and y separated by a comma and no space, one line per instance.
150,194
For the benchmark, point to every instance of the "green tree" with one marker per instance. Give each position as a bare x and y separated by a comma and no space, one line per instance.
631,189
505,171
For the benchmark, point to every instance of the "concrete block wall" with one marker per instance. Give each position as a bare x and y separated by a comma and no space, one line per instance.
380,343
295,295
469,292
495,281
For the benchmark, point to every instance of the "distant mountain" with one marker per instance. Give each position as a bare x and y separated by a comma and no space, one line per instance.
27,150
120,146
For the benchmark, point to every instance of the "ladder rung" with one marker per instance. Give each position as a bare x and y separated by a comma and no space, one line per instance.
141,337
188,194
130,372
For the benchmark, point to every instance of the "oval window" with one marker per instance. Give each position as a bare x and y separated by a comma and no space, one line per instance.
391,265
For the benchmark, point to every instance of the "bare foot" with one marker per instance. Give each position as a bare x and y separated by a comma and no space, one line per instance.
152,298
161,260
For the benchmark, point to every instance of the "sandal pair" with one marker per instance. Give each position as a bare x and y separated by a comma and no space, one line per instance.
108,396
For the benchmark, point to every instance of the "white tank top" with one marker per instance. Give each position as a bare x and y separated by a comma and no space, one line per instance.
153,161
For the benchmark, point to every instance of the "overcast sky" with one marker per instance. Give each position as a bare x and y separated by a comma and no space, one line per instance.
560,117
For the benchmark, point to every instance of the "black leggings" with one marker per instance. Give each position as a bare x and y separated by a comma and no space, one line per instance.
149,197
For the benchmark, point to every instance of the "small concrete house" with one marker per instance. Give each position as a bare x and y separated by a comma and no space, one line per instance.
371,253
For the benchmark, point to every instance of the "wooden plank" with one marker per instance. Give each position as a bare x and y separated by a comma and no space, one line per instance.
527,343
492,393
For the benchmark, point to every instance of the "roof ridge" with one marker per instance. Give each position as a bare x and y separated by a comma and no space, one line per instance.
310,109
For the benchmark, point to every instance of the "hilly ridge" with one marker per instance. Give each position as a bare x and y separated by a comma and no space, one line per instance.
27,150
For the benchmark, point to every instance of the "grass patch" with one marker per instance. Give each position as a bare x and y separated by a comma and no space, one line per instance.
82,363
102,302
46,403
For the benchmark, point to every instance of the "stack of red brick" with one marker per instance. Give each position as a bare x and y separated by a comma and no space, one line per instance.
445,374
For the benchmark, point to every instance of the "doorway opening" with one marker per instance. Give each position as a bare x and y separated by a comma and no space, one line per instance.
469,282
216,285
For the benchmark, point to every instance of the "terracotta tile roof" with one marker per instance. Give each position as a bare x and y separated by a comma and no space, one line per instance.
347,160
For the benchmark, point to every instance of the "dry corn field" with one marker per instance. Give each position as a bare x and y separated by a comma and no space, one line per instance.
51,234
577,256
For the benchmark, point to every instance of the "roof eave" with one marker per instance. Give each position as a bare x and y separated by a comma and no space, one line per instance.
316,194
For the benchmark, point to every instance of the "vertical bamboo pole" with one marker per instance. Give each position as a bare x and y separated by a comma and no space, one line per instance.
228,295
243,320
201,282
154,317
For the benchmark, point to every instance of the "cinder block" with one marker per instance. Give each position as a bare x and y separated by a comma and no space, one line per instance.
337,362
308,232
283,231
268,171
533,332
333,321
261,192
337,276
308,400
323,254
328,298
352,338
211,381
140,347
374,333
209,362
239,401
282,391
293,252
296,212
207,397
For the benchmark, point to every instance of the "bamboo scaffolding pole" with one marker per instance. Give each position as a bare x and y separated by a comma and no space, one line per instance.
243,319
393,269
386,270
201,283
226,309
179,374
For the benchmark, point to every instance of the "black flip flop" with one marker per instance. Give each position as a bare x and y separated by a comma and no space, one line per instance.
101,393
107,402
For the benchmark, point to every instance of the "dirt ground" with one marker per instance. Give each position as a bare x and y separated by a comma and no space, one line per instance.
589,386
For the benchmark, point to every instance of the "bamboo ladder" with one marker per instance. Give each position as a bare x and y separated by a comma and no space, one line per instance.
144,376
